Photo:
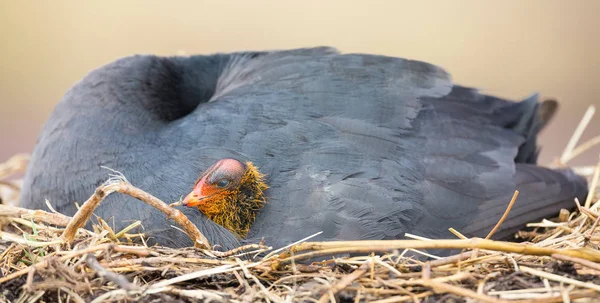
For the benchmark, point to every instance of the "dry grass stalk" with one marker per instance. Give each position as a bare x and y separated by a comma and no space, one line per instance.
443,287
585,121
583,262
345,281
43,263
120,280
17,163
583,148
593,185
35,215
510,205
558,278
366,246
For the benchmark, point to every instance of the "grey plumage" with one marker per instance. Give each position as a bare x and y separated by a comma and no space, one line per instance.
357,146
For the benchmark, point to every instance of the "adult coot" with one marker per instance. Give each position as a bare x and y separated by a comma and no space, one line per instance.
357,146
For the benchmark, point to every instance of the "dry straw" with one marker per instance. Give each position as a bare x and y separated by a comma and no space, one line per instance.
48,256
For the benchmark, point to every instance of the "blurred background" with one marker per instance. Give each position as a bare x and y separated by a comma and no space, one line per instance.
509,48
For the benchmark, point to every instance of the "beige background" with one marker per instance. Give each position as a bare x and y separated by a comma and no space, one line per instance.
508,48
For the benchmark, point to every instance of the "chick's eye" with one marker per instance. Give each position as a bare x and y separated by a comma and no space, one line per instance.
222,183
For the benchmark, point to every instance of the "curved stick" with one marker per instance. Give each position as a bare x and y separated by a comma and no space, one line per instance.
118,183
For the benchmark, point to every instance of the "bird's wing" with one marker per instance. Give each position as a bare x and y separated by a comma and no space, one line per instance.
543,192
479,150
335,134
370,147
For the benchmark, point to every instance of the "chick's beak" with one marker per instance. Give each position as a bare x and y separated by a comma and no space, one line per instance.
194,198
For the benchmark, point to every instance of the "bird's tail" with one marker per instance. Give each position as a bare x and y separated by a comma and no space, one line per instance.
529,118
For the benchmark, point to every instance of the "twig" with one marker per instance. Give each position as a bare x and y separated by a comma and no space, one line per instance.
592,215
457,233
558,278
587,117
36,296
590,233
32,225
21,240
510,205
35,215
338,247
593,185
14,164
29,281
404,298
237,250
401,290
290,245
264,290
114,294
201,273
582,148
11,195
74,296
167,260
560,299
426,271
121,185
450,259
346,280
438,286
583,262
563,215
127,229
198,294
10,184
44,262
118,279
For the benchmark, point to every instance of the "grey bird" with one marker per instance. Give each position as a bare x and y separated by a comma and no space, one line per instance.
355,146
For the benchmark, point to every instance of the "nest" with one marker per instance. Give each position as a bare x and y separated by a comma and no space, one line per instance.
49,257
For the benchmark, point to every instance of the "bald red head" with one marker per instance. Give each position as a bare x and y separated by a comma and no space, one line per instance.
221,176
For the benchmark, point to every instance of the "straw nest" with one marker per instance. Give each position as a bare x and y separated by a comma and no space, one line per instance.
48,257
